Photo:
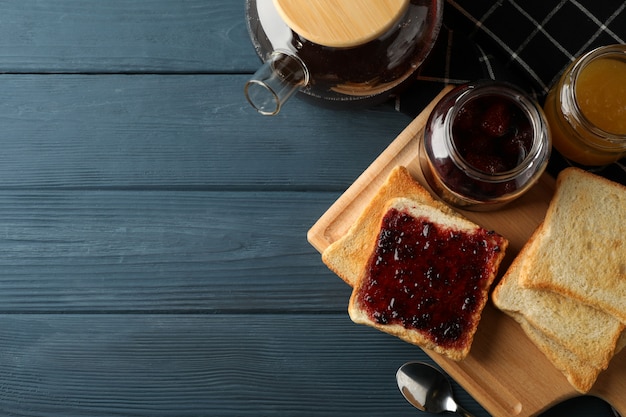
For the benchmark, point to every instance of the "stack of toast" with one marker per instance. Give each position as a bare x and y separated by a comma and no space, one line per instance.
567,286
426,294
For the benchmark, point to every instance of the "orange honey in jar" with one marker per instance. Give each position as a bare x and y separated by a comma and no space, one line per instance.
586,109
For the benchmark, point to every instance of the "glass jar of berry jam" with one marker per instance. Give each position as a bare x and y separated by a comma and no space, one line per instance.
586,108
484,145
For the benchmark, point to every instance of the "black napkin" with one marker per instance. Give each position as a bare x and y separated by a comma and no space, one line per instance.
526,43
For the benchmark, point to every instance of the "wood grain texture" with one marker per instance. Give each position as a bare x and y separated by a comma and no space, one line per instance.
117,36
183,131
203,365
341,23
138,251
153,259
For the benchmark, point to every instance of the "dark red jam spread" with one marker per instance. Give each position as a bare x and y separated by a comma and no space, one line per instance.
493,135
427,277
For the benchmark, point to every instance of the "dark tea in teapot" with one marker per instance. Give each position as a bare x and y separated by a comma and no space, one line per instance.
330,56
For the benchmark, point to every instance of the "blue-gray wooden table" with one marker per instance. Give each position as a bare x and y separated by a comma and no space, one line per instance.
154,259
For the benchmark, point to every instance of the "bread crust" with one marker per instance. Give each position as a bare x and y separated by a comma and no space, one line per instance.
580,252
575,331
358,312
348,255
580,374
578,339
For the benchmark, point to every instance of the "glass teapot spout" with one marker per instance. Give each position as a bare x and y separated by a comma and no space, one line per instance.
279,78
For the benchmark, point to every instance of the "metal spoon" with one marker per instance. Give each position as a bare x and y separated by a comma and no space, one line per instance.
427,389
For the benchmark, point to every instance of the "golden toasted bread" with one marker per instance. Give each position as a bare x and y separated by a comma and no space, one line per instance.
578,339
580,374
347,256
580,251
427,276
567,286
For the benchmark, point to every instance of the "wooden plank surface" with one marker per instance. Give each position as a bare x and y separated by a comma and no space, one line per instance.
162,251
152,225
176,131
204,365
117,36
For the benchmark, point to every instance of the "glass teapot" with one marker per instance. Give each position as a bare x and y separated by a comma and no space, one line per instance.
337,51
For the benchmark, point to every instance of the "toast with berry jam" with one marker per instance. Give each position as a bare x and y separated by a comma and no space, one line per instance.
427,276
347,256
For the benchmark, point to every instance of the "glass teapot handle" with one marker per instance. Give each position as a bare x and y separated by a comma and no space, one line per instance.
282,75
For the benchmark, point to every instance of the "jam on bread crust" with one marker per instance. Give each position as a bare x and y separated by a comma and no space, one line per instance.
428,278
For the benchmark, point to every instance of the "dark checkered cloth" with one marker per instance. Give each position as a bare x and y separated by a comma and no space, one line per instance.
526,43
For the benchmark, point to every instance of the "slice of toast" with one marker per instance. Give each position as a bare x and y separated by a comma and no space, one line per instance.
580,251
588,333
347,256
579,373
427,277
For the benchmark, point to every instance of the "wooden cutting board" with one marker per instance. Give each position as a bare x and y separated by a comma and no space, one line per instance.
504,371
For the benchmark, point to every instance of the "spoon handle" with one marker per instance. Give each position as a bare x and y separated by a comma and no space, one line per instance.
463,412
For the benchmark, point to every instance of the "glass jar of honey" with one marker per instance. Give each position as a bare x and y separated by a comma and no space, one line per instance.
484,145
586,108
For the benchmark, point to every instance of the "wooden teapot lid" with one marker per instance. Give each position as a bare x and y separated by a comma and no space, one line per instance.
340,23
